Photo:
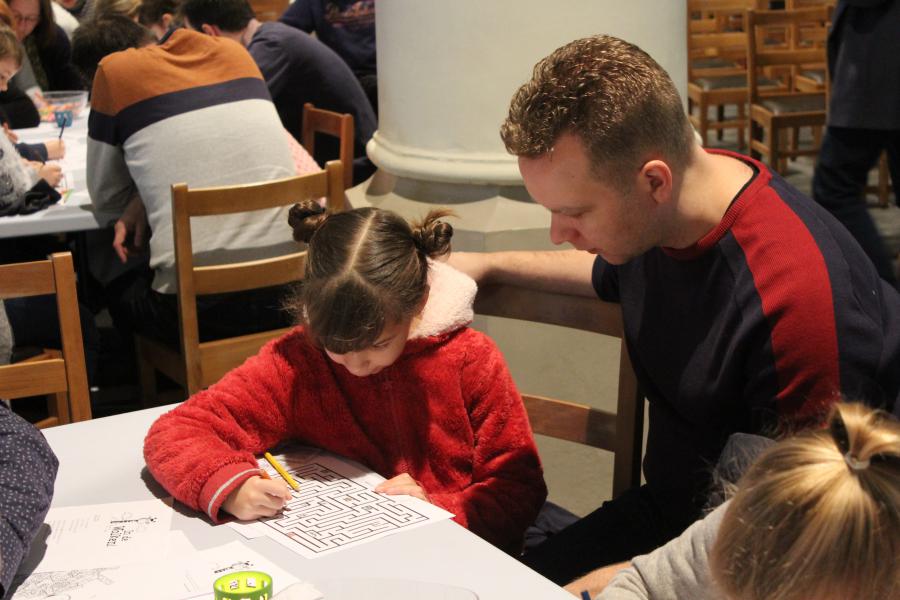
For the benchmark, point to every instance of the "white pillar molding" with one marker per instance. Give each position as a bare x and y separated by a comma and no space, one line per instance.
446,74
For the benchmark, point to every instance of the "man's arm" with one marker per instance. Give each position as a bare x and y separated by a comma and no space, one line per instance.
109,181
561,271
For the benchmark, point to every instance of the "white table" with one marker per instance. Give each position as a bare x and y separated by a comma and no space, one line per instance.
101,461
74,212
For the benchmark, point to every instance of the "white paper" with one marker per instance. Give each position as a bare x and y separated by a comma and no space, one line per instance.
181,578
103,535
336,507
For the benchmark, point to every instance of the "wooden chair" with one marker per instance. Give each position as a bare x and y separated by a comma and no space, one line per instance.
317,120
196,365
269,10
771,114
620,433
60,374
717,72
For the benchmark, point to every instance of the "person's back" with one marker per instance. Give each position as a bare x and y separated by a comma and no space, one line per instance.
299,69
196,110
345,26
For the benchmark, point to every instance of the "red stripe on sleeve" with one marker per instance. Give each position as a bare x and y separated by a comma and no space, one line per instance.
792,280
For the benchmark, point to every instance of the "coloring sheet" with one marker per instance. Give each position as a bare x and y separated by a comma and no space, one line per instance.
190,575
336,507
102,535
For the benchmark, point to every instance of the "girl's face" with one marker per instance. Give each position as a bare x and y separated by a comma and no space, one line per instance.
383,353
27,14
8,68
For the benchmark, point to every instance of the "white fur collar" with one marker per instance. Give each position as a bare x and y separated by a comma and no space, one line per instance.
449,304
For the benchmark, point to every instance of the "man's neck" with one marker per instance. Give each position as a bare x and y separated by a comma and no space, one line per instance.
709,185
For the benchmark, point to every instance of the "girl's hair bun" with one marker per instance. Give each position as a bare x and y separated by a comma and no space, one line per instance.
305,218
432,236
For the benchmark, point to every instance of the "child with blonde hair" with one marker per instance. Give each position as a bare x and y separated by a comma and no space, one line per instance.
816,517
384,370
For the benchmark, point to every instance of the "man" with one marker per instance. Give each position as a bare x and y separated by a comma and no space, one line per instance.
297,69
194,109
747,308
863,117
348,28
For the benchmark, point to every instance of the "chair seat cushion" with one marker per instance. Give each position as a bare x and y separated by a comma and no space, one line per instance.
817,75
713,62
730,81
794,104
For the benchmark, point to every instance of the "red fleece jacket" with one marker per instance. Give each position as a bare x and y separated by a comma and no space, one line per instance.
447,412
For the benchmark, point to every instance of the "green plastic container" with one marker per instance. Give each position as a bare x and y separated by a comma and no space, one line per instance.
243,585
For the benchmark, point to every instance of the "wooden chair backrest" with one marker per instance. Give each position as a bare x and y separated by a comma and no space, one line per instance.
622,432
206,362
783,59
61,373
716,30
269,10
317,120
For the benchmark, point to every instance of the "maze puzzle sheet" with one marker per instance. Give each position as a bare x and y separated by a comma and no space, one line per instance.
336,506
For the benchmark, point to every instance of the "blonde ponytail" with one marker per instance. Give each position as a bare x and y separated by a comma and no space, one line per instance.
818,515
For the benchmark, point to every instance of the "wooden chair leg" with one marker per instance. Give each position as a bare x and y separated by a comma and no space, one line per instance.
704,121
147,378
774,147
720,114
742,118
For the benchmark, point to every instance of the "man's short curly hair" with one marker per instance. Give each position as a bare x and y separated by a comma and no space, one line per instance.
613,96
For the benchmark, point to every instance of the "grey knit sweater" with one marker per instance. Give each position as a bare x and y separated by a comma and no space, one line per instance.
677,571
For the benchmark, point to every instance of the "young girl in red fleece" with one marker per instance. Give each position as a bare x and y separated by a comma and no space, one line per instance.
383,370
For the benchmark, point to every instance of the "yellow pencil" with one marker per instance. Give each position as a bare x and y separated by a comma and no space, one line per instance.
281,471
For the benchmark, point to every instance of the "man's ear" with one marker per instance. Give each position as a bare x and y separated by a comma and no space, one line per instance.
166,20
210,30
655,178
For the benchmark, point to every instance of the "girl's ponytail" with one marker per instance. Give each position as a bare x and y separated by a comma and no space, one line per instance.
305,218
431,235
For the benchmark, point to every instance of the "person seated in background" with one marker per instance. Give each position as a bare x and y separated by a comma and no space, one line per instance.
108,8
348,28
48,56
24,185
159,16
27,475
816,516
297,68
80,9
385,370
205,118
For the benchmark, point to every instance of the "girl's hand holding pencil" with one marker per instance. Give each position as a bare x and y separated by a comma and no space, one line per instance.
259,496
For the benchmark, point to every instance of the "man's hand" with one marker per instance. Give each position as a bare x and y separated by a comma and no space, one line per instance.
130,231
257,497
403,484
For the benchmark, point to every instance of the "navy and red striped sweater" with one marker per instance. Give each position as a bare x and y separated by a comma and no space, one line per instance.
758,327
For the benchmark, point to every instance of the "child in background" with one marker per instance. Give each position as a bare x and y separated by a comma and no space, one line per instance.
817,517
22,185
384,370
